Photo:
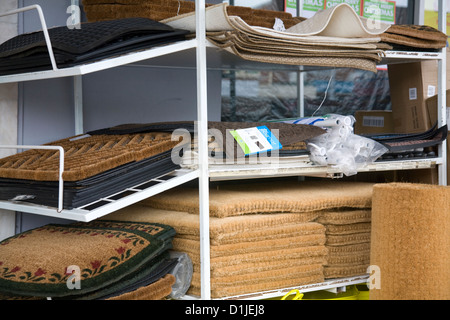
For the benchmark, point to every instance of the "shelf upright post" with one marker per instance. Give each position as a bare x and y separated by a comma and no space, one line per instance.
75,10
202,133
442,97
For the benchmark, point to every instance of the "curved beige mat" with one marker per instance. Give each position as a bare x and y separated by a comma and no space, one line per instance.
275,197
339,21
410,241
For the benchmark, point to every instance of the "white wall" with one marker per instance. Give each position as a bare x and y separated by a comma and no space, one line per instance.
8,111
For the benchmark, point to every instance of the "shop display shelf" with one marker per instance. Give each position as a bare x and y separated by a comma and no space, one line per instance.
333,285
106,205
250,171
201,55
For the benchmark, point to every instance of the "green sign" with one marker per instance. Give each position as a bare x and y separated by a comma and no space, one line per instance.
379,10
355,4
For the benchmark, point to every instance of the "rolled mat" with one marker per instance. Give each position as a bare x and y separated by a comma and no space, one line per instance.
410,242
274,197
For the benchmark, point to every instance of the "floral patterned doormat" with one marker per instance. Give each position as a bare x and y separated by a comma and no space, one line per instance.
79,259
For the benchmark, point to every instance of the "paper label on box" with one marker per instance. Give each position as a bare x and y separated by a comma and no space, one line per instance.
373,121
256,140
431,91
412,93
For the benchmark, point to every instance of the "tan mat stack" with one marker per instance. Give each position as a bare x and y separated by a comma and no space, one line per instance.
348,242
263,235
410,242
99,10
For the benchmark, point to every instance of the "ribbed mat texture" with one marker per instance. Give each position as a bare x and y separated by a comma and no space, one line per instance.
410,242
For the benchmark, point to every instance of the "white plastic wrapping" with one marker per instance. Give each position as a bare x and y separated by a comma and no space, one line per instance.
182,271
339,147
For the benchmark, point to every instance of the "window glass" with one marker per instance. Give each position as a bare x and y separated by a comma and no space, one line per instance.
252,95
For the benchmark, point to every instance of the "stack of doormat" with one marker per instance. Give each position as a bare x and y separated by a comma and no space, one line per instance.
405,144
99,10
410,242
97,260
414,38
93,41
347,241
286,195
222,144
95,166
263,235
334,37
248,253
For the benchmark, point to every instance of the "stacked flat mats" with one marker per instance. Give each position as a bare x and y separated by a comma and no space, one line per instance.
95,166
410,243
101,260
414,38
347,241
410,145
100,10
222,145
91,42
334,37
263,236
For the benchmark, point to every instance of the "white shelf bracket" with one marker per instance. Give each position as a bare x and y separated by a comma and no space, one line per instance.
442,95
202,132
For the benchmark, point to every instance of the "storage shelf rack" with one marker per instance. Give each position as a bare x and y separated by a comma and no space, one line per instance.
204,52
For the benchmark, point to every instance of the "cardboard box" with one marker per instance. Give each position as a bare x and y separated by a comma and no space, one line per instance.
411,84
432,106
374,122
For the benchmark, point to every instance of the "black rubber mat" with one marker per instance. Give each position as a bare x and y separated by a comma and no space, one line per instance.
93,41
405,142
80,193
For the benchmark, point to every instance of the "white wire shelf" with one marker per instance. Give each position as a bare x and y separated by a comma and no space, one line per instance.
278,293
230,172
182,55
106,205
104,64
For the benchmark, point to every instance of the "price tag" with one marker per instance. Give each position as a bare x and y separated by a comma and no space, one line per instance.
256,140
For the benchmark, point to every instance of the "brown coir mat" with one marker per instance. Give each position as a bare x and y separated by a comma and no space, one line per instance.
278,196
224,231
85,156
40,262
97,10
410,242
158,290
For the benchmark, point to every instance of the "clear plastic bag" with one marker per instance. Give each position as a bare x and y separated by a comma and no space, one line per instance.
340,148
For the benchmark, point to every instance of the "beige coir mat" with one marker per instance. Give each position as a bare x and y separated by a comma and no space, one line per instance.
157,290
278,196
410,241
224,231
85,156
246,250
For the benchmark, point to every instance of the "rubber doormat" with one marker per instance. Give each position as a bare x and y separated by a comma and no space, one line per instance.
95,167
93,41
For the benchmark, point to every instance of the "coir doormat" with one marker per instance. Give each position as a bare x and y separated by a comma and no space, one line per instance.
277,196
40,262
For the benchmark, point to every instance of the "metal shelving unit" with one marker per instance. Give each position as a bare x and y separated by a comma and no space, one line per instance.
203,52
